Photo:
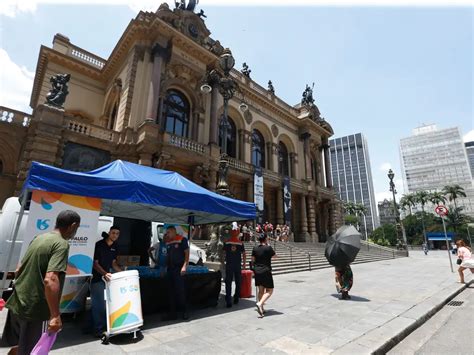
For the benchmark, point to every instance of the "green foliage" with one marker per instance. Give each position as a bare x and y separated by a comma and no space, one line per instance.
351,219
453,192
385,235
408,201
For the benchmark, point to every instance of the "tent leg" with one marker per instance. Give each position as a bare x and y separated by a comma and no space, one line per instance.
15,236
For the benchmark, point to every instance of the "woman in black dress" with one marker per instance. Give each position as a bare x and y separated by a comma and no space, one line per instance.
262,264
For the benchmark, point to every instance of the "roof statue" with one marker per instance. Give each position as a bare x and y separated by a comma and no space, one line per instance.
57,95
245,70
308,99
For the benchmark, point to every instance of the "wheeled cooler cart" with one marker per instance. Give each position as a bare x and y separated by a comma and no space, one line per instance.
123,304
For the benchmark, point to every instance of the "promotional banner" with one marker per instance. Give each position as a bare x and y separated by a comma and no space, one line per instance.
258,193
287,200
45,207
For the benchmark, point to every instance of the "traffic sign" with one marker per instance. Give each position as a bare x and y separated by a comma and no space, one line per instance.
441,210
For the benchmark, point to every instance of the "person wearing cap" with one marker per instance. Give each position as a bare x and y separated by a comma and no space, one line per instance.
177,261
262,255
234,255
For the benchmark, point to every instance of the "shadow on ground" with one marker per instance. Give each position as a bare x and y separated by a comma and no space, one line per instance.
353,298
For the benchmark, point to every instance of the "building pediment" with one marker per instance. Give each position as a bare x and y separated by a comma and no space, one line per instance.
186,21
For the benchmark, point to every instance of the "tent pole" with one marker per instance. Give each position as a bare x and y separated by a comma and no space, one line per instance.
15,236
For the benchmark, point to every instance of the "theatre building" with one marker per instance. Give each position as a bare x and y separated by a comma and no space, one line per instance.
156,101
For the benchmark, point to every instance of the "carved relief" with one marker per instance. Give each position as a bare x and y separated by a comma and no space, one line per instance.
201,174
248,117
275,130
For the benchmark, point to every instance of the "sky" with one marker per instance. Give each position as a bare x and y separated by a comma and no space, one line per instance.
378,70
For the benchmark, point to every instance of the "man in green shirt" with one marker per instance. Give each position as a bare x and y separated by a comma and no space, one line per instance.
39,281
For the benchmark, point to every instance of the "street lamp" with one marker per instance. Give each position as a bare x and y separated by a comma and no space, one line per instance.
403,241
227,87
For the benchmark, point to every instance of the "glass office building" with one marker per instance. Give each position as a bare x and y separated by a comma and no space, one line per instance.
352,175
432,158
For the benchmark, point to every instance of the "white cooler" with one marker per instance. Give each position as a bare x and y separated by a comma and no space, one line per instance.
123,303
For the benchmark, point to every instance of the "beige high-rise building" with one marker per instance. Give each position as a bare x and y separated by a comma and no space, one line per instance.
144,104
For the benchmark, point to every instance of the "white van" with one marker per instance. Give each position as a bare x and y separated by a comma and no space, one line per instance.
8,219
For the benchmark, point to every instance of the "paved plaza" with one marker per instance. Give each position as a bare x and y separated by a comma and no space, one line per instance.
389,298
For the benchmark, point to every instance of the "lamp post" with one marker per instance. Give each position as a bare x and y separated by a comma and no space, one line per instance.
227,87
401,241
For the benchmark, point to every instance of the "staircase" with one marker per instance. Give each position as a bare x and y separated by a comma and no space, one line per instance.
295,257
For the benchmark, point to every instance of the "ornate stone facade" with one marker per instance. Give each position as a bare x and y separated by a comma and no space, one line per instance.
144,104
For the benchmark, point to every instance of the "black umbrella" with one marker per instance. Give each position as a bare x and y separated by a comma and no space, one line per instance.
342,247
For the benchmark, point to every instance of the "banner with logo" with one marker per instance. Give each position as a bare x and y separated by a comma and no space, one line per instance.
258,193
287,200
45,207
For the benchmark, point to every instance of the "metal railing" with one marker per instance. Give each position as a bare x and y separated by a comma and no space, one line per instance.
291,247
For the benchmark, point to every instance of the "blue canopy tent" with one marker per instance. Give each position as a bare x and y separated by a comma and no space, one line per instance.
136,191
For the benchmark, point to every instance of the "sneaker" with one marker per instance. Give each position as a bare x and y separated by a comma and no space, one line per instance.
260,310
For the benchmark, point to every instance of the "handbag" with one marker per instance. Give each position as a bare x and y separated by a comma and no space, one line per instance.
459,261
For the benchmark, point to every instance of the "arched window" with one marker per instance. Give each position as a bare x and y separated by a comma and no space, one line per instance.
176,113
258,149
231,138
283,164
113,116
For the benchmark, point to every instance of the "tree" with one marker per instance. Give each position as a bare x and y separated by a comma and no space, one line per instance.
350,207
385,235
422,197
436,198
408,201
455,218
453,192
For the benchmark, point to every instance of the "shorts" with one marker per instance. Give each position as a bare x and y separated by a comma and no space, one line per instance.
264,279
30,333
468,263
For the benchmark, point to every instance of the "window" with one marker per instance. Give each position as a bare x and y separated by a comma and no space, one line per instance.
113,116
176,113
231,138
258,149
283,165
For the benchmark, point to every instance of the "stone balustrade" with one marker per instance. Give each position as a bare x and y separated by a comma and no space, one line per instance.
240,165
85,56
90,130
8,115
186,143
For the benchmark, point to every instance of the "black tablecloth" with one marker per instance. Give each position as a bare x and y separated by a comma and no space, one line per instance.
202,290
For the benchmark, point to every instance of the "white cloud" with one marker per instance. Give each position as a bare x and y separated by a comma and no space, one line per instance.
12,8
385,167
380,196
16,83
469,136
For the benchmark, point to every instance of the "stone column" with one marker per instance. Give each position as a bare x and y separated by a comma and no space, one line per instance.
269,156
275,157
158,54
247,147
312,219
280,218
250,191
327,165
214,124
44,141
195,127
304,220
307,158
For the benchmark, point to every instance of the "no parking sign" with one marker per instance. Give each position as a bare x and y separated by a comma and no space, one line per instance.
441,210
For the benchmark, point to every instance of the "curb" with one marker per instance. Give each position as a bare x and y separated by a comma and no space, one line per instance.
393,341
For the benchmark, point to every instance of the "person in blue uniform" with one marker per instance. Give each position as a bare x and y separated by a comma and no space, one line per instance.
158,253
177,262
234,253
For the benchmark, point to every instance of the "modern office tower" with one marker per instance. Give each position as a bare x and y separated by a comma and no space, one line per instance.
432,158
352,175
470,155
